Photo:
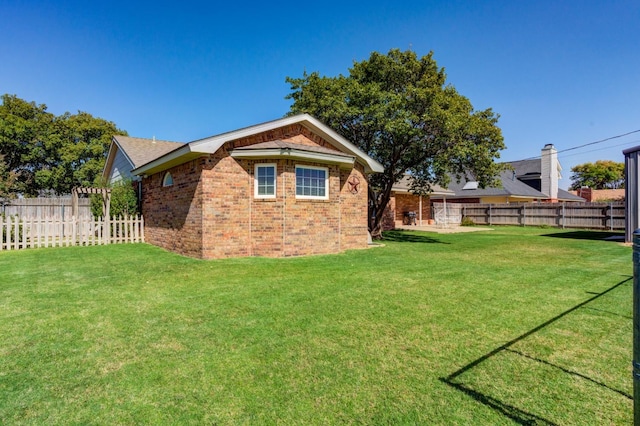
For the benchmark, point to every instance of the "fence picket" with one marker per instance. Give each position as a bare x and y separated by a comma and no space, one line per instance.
18,233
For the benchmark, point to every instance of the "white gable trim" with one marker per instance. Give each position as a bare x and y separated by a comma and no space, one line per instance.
211,144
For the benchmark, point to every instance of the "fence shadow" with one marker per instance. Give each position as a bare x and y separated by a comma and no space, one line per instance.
516,414
402,236
588,235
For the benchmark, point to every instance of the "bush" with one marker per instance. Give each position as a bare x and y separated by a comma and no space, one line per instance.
467,221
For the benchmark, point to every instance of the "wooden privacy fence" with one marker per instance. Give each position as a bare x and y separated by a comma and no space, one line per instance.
609,216
46,207
21,233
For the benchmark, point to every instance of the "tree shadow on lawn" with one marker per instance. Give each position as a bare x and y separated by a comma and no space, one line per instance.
514,413
589,235
402,236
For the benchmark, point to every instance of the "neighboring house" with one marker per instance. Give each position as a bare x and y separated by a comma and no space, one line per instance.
599,195
288,187
529,181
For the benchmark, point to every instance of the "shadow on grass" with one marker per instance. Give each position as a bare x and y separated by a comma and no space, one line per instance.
401,236
517,415
587,235
514,413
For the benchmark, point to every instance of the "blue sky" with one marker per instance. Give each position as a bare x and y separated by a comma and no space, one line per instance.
561,72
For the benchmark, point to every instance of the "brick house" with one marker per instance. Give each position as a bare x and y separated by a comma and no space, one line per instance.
287,187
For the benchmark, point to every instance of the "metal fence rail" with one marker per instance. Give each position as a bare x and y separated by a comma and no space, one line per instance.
609,216
18,233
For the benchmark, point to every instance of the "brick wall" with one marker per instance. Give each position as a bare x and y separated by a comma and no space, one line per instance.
173,215
211,212
401,203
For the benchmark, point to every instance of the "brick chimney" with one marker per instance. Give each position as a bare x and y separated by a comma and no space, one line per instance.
549,173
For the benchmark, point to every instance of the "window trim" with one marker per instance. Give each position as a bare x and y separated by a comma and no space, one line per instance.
275,180
326,183
167,180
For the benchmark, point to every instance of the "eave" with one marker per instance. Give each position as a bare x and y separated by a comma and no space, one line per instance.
320,157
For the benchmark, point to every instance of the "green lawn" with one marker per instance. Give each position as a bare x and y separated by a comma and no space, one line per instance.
510,326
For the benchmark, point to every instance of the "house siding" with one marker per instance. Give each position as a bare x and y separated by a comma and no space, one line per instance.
121,169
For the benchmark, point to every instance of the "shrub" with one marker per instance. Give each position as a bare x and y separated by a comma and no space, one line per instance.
467,221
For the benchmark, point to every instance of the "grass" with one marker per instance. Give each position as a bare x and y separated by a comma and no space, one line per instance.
511,326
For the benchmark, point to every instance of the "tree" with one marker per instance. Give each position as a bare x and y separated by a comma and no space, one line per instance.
603,174
398,109
48,153
7,179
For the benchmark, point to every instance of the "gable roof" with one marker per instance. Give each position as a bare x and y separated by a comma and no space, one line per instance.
211,144
140,150
136,151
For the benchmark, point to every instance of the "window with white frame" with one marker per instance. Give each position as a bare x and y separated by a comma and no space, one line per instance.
167,180
312,182
265,181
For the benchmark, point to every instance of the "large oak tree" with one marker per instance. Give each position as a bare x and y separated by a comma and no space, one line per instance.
399,110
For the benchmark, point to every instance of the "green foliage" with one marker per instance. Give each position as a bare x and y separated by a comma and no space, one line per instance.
124,200
7,180
467,221
48,153
603,174
399,110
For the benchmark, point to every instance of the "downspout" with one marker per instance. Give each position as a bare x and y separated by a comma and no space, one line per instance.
284,206
251,195
339,213
420,210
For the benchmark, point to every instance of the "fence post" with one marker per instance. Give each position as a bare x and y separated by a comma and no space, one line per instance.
611,216
636,327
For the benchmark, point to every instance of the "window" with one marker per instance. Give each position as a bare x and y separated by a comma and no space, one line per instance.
265,181
312,182
167,180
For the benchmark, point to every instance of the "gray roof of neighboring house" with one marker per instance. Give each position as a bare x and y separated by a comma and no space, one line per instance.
527,167
567,196
511,186
141,150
